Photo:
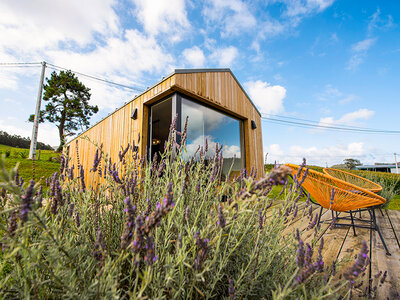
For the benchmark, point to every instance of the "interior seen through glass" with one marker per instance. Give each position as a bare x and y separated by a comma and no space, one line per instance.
161,118
208,124
203,124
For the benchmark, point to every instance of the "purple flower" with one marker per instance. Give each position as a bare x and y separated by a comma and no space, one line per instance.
71,209
202,251
150,256
260,218
77,220
39,196
221,220
231,289
12,224
332,196
71,173
143,242
122,154
130,211
96,160
99,246
187,215
319,264
62,164
26,202
359,265
16,178
83,185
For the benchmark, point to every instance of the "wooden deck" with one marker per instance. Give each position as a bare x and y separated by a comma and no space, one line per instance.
342,246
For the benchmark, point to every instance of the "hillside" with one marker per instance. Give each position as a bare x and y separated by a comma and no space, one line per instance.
45,166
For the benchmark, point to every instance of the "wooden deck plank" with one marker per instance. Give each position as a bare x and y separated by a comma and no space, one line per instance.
382,262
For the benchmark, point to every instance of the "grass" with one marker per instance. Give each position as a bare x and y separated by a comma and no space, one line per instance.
44,167
395,203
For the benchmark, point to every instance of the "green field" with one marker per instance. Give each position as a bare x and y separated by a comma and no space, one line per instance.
44,167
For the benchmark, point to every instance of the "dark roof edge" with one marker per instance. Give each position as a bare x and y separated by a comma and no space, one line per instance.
183,71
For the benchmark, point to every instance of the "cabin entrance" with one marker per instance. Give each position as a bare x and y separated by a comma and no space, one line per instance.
160,121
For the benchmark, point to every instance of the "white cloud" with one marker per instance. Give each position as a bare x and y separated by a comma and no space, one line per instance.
363,45
349,118
8,81
234,16
43,24
268,98
303,7
376,22
160,16
347,99
359,51
224,57
331,93
194,56
319,156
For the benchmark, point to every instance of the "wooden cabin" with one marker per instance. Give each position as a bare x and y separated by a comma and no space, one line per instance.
218,108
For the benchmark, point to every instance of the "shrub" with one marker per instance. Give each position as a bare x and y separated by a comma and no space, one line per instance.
23,154
159,230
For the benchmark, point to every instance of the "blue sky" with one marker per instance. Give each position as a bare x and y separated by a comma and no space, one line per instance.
334,62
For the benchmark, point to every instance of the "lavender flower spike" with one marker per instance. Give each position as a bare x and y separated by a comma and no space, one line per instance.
26,203
221,220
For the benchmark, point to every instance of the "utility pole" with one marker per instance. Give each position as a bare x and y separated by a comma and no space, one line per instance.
32,150
397,167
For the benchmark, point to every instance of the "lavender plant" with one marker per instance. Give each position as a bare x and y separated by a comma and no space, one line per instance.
159,230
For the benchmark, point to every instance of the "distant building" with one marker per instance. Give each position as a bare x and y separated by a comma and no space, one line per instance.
379,168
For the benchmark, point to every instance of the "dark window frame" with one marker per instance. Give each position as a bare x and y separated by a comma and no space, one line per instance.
176,98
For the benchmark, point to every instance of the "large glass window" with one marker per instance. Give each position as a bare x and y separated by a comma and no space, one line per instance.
208,124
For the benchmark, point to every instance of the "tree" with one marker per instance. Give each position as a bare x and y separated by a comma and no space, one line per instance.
68,104
351,163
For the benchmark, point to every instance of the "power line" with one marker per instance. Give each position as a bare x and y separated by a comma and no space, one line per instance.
95,78
54,67
317,122
331,127
20,63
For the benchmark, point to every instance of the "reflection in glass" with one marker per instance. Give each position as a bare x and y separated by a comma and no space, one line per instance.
207,124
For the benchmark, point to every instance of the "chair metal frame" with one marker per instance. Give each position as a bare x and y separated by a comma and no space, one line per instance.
348,198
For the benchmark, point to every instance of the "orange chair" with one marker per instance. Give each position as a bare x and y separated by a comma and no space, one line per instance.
356,180
353,179
347,197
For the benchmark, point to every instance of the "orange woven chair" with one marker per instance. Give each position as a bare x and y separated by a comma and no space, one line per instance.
347,197
353,179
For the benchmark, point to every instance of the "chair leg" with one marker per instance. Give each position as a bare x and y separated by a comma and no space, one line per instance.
352,223
381,211
373,220
319,218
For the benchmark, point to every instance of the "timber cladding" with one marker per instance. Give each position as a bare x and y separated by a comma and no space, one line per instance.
215,87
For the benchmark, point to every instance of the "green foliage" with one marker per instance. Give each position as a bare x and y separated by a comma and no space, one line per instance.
350,163
20,142
181,242
67,104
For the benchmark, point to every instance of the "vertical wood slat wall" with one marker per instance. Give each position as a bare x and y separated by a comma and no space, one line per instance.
218,89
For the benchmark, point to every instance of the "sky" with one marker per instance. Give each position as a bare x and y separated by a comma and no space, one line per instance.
335,63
